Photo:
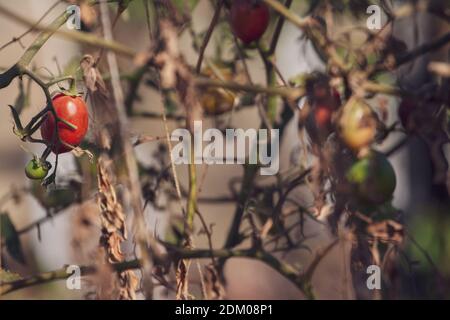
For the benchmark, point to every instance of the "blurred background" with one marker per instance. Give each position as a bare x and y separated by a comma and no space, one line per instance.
53,244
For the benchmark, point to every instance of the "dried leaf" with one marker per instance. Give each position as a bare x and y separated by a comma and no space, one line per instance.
92,76
79,152
214,287
112,220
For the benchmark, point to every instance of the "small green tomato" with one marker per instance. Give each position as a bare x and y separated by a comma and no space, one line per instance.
37,169
373,178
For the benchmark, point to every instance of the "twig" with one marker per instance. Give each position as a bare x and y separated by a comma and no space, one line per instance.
81,37
288,93
15,39
278,28
208,35
60,274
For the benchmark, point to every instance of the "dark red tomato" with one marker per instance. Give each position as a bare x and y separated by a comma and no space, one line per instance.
73,110
249,19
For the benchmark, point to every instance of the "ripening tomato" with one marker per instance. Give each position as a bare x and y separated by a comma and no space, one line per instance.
73,110
37,169
373,178
358,125
325,100
217,100
249,19
317,120
322,116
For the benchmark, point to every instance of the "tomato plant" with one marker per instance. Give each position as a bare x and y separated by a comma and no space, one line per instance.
73,110
268,65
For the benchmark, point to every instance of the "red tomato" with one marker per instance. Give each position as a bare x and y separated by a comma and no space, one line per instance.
249,19
73,110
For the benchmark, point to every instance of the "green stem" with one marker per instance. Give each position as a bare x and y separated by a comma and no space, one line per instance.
192,196
29,54
60,79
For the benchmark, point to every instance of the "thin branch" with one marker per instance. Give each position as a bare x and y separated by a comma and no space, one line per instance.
16,39
288,93
80,37
278,28
208,35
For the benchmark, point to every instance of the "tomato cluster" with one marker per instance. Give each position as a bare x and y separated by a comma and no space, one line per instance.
60,136
367,173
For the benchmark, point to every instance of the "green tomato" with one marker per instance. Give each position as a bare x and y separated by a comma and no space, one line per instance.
373,178
37,169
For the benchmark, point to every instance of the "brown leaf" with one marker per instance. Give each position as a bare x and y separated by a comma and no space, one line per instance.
92,76
214,287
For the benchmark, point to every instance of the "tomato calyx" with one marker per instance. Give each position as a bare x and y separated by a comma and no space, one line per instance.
72,91
69,93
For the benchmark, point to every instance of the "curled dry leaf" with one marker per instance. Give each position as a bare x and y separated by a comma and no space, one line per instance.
112,216
92,76
214,288
129,282
79,152
386,230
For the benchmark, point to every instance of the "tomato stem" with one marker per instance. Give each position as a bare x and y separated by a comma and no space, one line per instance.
60,79
46,153
72,126
16,117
